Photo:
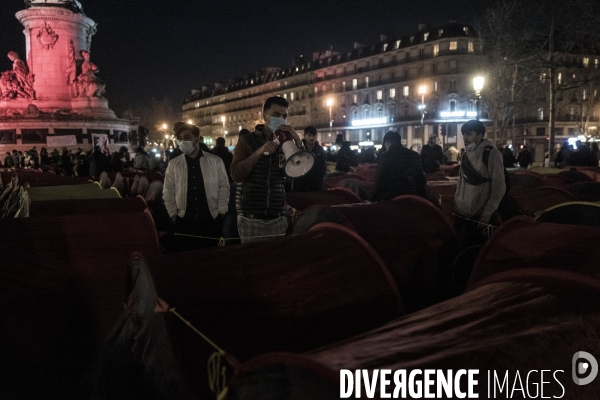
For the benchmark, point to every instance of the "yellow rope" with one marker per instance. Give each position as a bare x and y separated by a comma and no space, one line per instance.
223,239
217,374
488,230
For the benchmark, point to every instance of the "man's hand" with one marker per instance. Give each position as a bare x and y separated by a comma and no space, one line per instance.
268,148
288,128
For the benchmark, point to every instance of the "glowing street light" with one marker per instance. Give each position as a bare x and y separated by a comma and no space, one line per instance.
190,122
329,103
478,85
164,126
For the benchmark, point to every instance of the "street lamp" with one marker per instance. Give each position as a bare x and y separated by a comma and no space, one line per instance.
329,103
477,85
422,89
190,122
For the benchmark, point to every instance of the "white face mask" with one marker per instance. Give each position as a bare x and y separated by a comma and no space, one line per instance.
186,146
274,123
471,147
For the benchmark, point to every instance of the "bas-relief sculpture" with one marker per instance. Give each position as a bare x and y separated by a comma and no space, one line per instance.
17,82
81,75
47,37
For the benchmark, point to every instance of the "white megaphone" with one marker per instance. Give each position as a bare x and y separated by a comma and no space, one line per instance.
297,162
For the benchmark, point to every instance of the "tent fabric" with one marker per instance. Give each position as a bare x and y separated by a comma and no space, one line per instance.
412,237
84,191
450,170
86,207
527,179
538,199
137,360
330,182
37,178
574,176
586,191
522,242
504,326
574,213
290,294
556,180
303,200
317,214
62,284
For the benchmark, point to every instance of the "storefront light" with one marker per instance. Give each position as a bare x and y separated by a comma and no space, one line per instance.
369,121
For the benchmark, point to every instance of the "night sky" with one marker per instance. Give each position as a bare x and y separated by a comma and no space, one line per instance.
161,49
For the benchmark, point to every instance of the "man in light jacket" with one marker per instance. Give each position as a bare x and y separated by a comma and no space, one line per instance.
480,186
196,192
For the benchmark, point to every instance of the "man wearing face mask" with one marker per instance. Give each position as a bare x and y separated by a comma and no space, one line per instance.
195,192
481,185
257,167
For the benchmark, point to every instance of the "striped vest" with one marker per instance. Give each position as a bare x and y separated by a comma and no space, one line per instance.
263,190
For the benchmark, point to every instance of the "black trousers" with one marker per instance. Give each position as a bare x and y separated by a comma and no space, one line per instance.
183,234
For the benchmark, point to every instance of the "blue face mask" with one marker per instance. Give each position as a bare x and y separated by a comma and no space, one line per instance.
274,123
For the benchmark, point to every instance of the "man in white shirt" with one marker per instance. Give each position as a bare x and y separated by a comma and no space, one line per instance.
196,192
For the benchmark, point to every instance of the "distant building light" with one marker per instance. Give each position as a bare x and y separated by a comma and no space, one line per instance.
457,114
369,121
363,144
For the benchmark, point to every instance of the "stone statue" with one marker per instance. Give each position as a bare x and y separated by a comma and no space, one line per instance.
89,85
18,82
81,75
31,111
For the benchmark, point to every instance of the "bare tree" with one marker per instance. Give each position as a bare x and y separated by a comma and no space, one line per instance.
545,41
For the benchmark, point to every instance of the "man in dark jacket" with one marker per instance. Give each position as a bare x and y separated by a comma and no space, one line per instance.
224,154
313,181
524,159
399,171
432,155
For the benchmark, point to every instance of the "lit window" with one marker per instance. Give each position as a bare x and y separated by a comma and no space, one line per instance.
355,99
436,50
541,113
435,86
405,91
453,46
584,94
559,78
425,36
586,62
596,62
344,85
285,95
292,96
380,95
392,93
466,30
471,47
354,84
316,89
397,44
366,81
385,47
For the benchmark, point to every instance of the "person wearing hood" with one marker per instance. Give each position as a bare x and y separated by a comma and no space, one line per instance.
481,185
195,192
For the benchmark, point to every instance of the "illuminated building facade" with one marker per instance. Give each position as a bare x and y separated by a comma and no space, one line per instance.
417,85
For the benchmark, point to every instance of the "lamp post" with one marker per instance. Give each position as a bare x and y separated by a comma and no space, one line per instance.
329,103
421,107
478,85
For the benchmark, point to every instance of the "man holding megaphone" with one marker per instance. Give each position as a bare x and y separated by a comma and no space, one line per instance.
259,167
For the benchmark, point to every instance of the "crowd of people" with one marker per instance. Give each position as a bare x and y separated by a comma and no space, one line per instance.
212,193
